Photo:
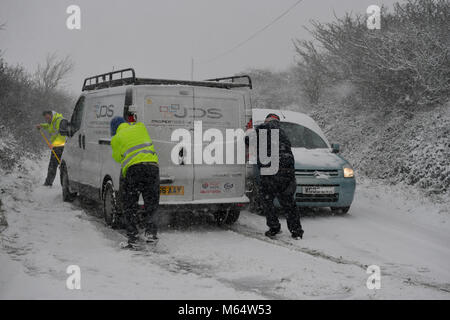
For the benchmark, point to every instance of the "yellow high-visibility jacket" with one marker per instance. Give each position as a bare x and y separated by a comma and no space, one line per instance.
132,145
56,139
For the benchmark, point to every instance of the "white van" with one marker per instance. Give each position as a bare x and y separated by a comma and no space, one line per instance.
88,169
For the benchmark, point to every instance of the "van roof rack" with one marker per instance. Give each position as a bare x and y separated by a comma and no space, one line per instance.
116,79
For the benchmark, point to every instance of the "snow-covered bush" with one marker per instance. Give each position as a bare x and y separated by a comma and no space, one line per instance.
406,62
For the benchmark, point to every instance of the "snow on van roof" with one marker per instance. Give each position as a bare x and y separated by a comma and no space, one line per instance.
259,115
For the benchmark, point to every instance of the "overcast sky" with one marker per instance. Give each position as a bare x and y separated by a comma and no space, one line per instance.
159,37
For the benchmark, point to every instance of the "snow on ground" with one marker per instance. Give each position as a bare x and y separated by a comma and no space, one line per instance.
409,239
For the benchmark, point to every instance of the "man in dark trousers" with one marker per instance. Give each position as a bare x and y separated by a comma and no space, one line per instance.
282,184
132,147
57,142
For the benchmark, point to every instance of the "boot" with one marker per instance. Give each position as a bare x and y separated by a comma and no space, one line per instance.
297,235
132,243
149,237
271,233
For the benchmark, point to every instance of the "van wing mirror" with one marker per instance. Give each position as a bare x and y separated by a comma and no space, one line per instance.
335,148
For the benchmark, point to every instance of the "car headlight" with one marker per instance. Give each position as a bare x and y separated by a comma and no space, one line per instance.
348,172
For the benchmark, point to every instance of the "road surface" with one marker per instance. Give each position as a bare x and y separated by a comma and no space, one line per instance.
407,236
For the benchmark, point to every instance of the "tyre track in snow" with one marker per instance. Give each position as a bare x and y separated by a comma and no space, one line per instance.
245,231
248,232
202,270
37,213
170,262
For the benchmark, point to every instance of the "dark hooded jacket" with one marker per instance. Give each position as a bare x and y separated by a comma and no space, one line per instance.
286,158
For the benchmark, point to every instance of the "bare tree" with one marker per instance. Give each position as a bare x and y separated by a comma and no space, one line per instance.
312,70
2,27
53,71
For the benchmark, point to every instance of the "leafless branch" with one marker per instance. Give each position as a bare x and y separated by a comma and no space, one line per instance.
53,71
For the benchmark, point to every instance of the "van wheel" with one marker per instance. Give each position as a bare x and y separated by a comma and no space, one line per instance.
233,216
66,194
110,205
227,217
340,210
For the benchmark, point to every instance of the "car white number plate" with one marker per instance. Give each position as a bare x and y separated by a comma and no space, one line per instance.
318,190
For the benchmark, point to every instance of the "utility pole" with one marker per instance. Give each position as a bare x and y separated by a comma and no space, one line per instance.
192,69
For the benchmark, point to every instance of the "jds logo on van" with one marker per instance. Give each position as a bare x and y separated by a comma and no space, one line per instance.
177,111
104,111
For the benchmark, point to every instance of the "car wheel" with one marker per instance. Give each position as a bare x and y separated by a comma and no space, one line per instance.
110,205
340,210
66,194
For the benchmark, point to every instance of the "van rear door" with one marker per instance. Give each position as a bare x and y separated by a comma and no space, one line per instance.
166,109
101,107
219,109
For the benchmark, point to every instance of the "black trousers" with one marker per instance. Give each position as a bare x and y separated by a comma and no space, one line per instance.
142,178
53,165
283,188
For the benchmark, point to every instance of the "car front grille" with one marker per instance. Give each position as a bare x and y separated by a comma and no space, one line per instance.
313,173
300,197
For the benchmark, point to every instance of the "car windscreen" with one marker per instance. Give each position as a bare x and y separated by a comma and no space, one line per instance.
302,137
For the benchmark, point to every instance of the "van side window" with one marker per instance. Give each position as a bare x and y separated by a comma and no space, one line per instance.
77,115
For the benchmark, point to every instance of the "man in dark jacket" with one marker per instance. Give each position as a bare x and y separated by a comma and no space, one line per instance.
282,184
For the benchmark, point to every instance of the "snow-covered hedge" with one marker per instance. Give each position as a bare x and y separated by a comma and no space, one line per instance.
405,62
409,146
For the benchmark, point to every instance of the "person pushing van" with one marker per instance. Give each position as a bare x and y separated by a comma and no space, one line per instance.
132,147
281,185
57,141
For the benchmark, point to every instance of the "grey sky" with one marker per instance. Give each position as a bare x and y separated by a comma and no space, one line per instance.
159,37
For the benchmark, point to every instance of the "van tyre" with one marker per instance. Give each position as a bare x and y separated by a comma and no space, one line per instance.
227,217
340,210
232,217
66,194
111,207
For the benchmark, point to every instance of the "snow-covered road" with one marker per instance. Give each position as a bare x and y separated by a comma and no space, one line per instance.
406,236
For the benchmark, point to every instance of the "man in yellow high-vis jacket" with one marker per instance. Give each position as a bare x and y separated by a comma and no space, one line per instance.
57,141
132,147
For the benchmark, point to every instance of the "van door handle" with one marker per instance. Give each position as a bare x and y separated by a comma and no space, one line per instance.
104,141
79,140
84,141
166,180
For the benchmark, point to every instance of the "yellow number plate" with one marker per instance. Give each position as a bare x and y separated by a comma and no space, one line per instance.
171,190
